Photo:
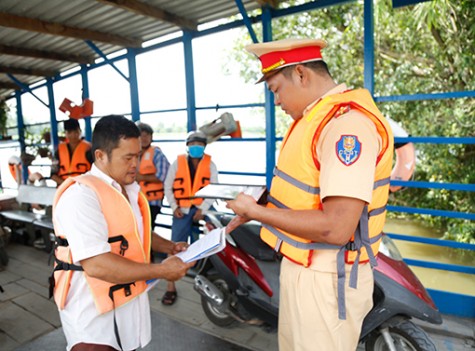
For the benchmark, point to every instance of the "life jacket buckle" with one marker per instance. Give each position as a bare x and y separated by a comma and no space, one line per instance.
124,245
351,246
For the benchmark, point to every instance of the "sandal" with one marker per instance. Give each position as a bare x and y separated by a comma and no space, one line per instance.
169,298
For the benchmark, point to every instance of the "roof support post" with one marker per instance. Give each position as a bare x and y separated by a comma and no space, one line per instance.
269,103
21,133
85,95
52,113
189,79
246,20
369,46
133,84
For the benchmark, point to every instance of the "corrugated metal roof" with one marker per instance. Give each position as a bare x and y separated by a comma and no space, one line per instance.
88,17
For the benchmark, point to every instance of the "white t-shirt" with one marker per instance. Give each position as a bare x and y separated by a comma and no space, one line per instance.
78,213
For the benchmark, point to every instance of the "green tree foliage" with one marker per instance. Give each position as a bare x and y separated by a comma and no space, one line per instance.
425,48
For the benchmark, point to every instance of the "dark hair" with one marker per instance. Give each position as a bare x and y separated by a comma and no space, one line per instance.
144,127
109,130
71,125
319,67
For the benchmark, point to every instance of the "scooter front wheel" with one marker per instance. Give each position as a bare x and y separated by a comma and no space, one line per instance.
406,337
217,314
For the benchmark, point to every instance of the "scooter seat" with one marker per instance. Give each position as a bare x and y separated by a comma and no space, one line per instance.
247,237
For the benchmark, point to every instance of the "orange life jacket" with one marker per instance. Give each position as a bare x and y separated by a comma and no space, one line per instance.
75,165
124,239
13,171
182,188
152,190
296,183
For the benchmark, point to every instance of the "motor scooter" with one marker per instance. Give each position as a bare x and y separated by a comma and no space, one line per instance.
241,284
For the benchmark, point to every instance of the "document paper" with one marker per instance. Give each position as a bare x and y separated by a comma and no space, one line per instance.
208,245
230,191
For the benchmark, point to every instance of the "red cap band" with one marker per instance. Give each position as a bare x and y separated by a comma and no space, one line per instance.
275,59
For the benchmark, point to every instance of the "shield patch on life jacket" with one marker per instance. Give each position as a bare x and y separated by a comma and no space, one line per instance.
348,149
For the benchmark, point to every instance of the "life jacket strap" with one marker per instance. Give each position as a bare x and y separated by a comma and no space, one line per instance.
295,182
60,265
124,243
127,292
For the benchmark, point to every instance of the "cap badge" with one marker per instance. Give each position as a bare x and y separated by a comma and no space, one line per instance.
281,62
348,149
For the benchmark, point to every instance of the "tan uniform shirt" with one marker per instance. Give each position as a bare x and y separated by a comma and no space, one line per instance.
308,311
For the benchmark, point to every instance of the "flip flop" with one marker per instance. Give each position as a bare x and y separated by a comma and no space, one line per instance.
169,298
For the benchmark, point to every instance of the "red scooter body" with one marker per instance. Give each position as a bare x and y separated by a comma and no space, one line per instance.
242,283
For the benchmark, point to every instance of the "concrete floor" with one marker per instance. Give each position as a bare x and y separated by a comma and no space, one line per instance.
29,321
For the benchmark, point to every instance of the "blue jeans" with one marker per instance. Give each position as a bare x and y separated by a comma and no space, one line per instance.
182,228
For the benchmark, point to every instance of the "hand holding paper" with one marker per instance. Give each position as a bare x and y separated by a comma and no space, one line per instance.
211,243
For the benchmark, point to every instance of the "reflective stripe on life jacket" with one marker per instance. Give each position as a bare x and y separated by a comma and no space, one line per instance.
75,165
182,188
297,178
124,239
152,190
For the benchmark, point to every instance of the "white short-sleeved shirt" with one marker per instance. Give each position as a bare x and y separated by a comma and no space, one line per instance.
78,213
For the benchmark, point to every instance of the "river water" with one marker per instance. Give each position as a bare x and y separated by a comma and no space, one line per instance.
433,278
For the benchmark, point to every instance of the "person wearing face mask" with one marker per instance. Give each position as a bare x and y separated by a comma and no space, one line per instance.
189,173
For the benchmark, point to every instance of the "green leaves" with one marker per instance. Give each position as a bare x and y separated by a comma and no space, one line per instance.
425,48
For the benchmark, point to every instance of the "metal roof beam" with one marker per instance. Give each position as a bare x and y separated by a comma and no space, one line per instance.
26,88
15,51
35,25
153,11
28,71
246,20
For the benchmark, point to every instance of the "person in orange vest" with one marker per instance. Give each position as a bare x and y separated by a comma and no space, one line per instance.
74,156
15,166
153,169
188,174
103,242
327,202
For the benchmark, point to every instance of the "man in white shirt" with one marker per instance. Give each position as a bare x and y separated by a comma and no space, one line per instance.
81,217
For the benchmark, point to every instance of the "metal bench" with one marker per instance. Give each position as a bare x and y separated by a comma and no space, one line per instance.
27,219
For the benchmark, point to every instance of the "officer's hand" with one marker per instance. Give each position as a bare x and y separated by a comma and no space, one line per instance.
235,222
242,205
173,268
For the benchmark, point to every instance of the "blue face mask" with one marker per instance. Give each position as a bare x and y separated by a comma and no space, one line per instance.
196,151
